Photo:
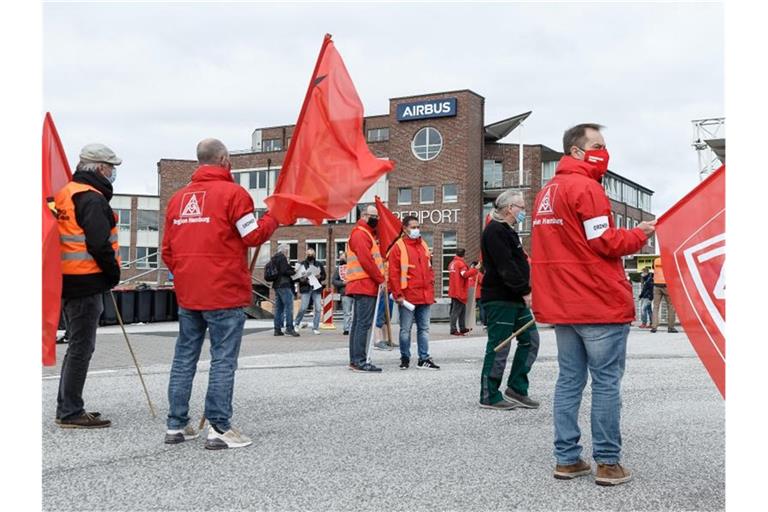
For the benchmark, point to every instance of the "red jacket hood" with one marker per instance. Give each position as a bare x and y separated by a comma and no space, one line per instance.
212,173
569,165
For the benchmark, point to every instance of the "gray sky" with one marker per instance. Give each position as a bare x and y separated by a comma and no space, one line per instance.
152,80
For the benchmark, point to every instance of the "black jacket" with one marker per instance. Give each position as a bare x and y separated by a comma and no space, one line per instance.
338,282
646,291
284,272
507,274
304,286
94,215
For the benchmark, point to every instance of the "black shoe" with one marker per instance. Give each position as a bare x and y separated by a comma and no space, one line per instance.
672,329
653,329
365,368
405,362
520,400
92,413
292,333
85,420
501,405
62,339
465,331
345,333
278,332
427,364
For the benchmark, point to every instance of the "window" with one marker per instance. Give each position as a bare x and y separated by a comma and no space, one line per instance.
427,194
293,250
619,220
404,196
645,201
146,257
450,193
378,134
429,238
320,251
547,171
449,251
258,180
123,219
125,257
341,247
147,220
427,144
629,194
265,254
629,222
272,145
612,187
493,174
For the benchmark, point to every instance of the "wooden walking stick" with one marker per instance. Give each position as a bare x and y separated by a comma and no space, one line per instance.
130,349
515,334
387,318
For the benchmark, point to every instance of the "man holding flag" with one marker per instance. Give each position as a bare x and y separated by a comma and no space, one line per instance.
90,264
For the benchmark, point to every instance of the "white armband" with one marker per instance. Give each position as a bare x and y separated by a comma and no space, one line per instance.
246,224
594,228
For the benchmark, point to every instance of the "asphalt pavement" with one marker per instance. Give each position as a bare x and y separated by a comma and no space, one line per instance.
326,438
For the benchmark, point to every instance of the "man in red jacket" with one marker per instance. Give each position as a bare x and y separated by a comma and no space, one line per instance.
412,283
458,284
580,287
209,225
365,272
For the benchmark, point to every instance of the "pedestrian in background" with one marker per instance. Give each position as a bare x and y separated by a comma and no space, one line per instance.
283,287
646,297
660,292
458,282
340,284
311,289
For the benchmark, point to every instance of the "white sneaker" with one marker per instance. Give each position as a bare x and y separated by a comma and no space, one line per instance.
303,325
188,433
315,331
232,438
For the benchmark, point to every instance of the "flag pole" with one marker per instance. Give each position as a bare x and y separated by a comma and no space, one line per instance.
386,315
130,349
373,326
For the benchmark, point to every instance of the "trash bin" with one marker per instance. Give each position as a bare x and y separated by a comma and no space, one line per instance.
109,315
160,309
127,305
143,306
173,306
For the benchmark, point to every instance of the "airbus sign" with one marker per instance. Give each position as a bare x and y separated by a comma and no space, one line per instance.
426,109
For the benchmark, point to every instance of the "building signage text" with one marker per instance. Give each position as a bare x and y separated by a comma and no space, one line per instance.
433,216
426,109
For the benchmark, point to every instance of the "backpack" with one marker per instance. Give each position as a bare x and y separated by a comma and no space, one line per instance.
270,271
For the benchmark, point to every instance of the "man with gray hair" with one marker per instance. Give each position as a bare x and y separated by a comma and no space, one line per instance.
507,297
282,273
90,263
209,225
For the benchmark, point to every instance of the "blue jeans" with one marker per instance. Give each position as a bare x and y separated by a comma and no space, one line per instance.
226,330
283,308
601,349
361,325
317,307
346,305
646,311
421,314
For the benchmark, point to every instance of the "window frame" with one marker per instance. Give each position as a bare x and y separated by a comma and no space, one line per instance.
421,194
410,192
428,156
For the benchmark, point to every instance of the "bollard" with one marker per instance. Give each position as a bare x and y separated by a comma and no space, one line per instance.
327,318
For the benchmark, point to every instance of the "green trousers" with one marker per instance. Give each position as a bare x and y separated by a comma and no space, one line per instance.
503,319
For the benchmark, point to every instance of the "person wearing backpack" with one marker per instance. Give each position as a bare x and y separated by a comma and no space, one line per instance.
279,272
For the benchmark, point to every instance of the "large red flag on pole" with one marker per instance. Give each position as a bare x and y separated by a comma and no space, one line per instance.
328,166
56,174
692,238
388,228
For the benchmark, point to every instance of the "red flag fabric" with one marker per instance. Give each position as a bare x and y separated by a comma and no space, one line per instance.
389,227
328,166
56,174
692,238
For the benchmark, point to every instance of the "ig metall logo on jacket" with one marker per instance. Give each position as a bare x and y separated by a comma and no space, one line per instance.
192,204
546,207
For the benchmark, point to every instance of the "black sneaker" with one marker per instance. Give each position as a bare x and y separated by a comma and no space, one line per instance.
345,333
405,362
465,331
427,364
365,368
501,405
521,400
672,330
653,329
278,332
292,333
62,339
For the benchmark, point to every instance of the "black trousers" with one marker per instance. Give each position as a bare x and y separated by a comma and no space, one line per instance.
82,319
458,315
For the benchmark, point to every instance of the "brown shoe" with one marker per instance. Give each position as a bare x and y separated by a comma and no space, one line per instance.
85,420
611,474
571,471
92,413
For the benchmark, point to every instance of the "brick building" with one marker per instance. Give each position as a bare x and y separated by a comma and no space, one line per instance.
138,235
449,166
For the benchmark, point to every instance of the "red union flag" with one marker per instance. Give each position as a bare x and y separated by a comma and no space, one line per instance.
328,166
692,238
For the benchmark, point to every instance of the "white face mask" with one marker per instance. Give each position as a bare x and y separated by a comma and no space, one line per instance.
112,177
414,233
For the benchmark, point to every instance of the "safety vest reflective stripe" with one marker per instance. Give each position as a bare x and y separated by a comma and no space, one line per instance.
75,258
355,270
405,262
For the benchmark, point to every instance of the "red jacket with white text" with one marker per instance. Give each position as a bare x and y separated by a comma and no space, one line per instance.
577,275
209,225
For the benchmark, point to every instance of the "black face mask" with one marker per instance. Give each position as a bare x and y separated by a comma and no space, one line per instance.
310,258
373,222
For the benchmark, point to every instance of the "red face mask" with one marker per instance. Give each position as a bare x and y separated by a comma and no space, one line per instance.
598,159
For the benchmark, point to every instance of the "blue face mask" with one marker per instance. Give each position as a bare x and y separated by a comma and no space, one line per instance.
414,233
112,177
520,217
